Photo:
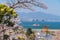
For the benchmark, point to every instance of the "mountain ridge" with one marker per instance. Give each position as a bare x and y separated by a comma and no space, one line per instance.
39,16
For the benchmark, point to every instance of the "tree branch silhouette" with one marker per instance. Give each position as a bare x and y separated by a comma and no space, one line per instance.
24,4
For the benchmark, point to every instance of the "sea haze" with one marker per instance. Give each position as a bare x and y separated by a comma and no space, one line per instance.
51,25
39,16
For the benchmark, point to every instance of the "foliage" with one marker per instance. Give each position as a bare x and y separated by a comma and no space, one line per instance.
32,36
51,33
6,13
26,4
29,31
21,38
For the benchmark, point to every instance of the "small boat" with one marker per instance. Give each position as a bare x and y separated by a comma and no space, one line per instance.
36,24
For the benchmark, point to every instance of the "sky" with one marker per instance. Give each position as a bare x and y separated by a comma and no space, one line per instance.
53,8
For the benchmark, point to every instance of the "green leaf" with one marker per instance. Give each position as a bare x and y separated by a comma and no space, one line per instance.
7,12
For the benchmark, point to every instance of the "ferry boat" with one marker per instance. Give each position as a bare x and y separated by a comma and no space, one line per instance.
36,24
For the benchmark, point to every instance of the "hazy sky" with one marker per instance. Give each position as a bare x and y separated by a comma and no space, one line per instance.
53,8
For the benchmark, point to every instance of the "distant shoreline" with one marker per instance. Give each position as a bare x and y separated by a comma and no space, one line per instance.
41,29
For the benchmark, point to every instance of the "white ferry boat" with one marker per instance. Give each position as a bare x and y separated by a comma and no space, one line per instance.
36,24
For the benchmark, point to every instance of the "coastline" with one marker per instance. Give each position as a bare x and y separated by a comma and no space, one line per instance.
57,33
41,29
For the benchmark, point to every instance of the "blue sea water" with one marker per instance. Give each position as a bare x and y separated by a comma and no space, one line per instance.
51,25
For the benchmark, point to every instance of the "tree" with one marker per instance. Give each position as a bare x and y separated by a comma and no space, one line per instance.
29,31
25,4
30,34
6,13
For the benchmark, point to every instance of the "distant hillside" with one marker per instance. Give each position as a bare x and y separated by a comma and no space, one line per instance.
39,16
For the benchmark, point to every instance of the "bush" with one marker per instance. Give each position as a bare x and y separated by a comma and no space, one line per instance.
29,31
7,13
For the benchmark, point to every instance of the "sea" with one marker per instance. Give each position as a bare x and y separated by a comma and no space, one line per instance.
51,25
